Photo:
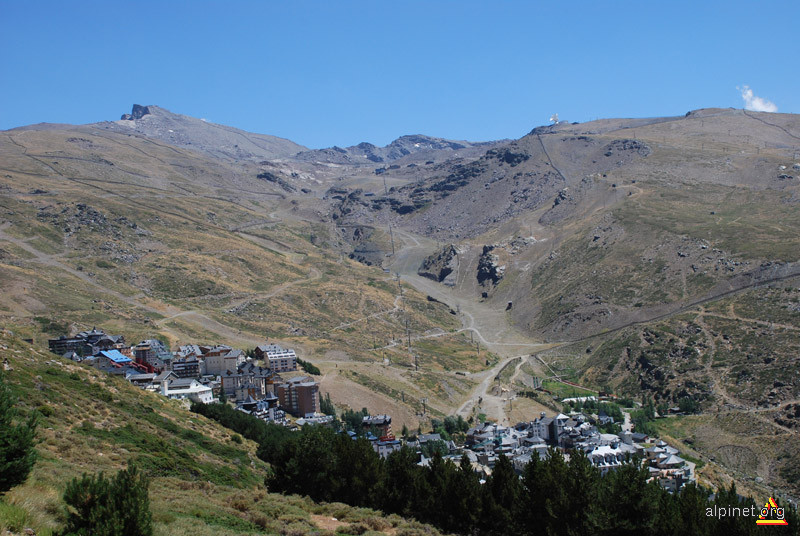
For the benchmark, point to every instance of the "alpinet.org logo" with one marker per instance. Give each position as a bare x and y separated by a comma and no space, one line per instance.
772,514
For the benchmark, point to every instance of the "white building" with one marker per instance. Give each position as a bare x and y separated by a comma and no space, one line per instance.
221,359
277,358
384,448
184,388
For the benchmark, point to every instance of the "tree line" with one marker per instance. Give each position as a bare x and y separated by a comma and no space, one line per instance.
552,496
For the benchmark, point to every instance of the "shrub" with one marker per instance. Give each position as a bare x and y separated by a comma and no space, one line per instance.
308,367
17,452
354,529
100,506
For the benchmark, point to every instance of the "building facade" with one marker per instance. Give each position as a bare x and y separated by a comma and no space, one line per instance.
299,396
277,358
221,359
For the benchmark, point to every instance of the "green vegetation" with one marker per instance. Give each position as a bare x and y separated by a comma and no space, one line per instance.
308,367
326,406
505,374
51,327
353,420
563,390
434,447
643,418
17,439
451,425
553,497
158,456
687,405
204,479
610,408
267,435
100,506
714,362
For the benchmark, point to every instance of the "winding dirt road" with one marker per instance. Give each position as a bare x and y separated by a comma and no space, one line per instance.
167,311
490,326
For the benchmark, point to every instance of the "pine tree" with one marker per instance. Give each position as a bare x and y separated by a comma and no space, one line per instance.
326,405
17,452
728,498
553,488
692,503
501,494
357,471
437,476
628,502
466,490
531,510
400,486
583,490
100,506
132,502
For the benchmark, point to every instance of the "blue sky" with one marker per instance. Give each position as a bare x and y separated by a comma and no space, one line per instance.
338,73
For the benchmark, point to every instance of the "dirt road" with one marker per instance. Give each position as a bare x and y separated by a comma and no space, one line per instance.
490,326
169,312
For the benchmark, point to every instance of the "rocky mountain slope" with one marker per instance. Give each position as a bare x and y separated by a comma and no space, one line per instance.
735,358
216,140
667,248
658,256
408,148
146,239
660,213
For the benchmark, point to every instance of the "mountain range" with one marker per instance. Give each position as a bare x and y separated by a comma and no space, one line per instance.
650,257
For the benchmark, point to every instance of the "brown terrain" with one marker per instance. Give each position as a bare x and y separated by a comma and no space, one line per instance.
648,256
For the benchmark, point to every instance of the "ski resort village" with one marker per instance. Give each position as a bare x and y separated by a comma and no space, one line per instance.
265,382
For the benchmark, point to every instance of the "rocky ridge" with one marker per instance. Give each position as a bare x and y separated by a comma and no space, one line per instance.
198,134
417,146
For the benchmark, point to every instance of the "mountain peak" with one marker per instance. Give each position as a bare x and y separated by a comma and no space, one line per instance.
198,134
138,111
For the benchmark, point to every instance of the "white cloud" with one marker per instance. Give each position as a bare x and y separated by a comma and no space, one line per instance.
755,103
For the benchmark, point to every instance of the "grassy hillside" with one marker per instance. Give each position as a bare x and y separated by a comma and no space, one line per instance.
736,357
145,239
650,242
204,478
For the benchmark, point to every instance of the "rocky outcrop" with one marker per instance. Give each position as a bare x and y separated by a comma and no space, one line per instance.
441,266
367,153
566,201
406,145
505,155
621,147
489,271
137,112
275,179
365,248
